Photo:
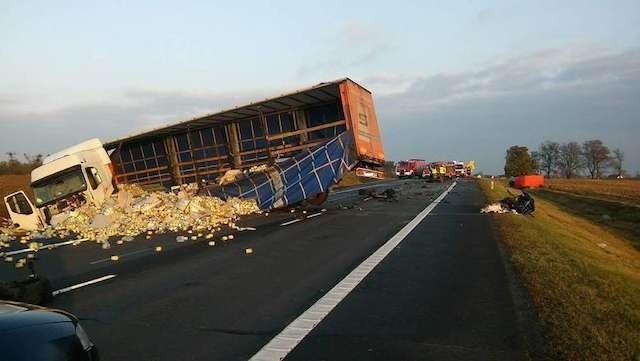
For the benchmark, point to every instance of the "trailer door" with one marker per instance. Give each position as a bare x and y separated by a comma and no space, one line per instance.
22,212
361,118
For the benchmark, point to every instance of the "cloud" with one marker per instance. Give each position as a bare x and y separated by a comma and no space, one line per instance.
562,95
553,94
130,112
352,46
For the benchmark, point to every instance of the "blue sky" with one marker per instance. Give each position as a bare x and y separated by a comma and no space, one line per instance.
462,80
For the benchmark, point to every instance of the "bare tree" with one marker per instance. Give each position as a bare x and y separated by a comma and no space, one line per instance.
570,159
596,156
616,161
548,156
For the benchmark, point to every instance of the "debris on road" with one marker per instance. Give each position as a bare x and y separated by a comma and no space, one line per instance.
388,194
522,204
133,211
495,208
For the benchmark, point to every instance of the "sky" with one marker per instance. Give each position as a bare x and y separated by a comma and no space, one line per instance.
462,80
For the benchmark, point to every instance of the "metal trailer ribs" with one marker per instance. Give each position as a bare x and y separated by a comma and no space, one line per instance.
264,132
302,176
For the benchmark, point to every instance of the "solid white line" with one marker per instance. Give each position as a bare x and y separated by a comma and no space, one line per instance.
71,288
290,222
46,246
278,348
314,215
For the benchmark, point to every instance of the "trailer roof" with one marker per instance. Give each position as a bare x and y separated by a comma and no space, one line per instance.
320,93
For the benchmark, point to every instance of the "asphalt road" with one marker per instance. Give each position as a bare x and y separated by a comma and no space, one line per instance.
443,293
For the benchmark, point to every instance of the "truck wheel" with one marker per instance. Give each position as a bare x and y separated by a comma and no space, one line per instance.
318,199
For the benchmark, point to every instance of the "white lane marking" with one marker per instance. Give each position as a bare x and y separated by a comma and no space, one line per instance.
280,346
300,219
46,246
122,255
241,229
290,222
71,288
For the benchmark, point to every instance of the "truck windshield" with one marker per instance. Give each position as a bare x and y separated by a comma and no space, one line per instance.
59,185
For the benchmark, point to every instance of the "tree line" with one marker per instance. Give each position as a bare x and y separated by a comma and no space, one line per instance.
13,165
568,160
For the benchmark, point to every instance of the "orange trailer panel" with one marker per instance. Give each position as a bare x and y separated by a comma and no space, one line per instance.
529,181
360,115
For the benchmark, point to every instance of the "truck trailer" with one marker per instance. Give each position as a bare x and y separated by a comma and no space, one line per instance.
305,141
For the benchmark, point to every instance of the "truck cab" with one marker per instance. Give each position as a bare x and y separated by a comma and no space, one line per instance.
65,181
410,168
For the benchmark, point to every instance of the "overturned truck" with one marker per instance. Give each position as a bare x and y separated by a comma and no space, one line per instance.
303,142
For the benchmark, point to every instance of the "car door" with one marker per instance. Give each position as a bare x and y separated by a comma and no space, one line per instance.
100,188
22,212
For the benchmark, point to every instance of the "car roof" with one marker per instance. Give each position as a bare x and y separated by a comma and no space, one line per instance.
17,315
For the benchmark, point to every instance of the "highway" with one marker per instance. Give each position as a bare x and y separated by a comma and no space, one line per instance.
358,278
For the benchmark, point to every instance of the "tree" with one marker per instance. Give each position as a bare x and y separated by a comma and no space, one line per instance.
518,161
570,159
617,159
14,166
595,155
548,156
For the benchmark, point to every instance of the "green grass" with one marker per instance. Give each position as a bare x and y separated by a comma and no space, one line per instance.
583,279
621,218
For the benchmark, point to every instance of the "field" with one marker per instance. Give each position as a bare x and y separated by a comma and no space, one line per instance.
584,280
619,190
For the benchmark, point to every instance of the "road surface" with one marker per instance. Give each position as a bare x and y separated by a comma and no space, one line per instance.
441,293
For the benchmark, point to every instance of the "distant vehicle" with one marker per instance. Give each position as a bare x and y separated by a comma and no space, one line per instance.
29,332
460,170
340,112
435,171
411,168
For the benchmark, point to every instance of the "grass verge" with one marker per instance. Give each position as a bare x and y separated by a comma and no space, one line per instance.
619,217
584,281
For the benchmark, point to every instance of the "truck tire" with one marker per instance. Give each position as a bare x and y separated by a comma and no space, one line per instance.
318,199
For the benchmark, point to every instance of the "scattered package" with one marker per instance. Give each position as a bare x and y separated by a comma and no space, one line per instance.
133,211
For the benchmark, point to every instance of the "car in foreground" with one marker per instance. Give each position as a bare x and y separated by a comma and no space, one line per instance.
35,333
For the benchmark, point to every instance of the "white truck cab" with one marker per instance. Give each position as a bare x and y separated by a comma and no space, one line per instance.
65,180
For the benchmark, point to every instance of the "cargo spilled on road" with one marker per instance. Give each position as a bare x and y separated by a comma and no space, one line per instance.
274,153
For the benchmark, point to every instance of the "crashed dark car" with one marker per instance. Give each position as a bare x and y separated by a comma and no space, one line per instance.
34,333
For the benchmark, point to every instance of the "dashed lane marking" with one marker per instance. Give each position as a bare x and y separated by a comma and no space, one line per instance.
83,284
